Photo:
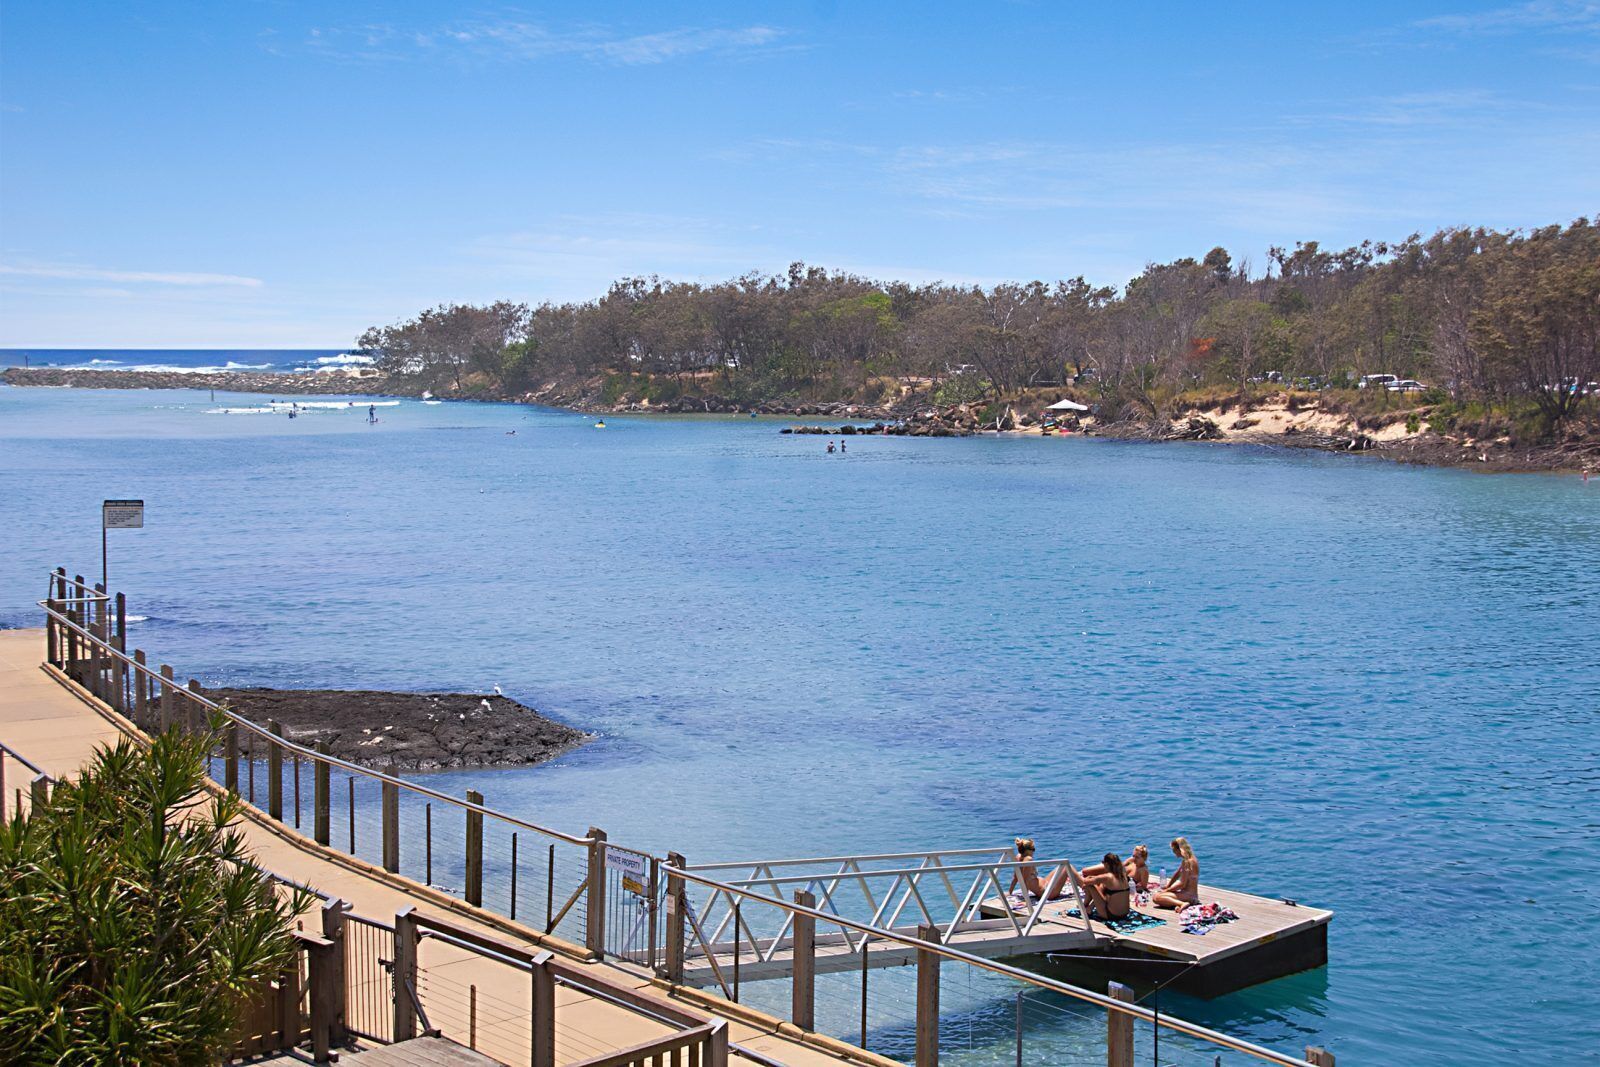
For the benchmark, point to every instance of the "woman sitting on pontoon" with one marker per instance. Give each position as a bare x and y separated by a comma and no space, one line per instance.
1105,888
1052,888
1183,888
1136,867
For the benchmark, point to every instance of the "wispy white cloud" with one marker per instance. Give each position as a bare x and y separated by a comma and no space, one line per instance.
1581,16
515,39
149,277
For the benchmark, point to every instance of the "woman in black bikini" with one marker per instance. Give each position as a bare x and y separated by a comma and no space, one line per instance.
1107,893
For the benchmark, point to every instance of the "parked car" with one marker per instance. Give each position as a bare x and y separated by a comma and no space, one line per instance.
1407,385
1376,380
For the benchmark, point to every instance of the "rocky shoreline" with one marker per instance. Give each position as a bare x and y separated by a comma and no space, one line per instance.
272,384
411,731
1280,423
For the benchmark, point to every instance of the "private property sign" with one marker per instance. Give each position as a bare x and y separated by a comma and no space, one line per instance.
122,515
632,867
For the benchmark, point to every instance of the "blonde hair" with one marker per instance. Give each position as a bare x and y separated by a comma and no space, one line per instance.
1141,850
1180,845
1024,844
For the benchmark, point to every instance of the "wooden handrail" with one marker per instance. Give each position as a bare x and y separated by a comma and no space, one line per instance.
646,1050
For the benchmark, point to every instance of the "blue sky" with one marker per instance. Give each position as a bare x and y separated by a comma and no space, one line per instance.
263,174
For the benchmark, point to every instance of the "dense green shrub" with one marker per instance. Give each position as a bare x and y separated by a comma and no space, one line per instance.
133,925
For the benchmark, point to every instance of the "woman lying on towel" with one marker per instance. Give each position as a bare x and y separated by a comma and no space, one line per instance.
1183,888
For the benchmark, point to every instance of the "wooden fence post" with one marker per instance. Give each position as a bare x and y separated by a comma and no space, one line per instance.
81,617
39,792
677,904
322,994
474,850
391,822
927,999
542,1021
405,974
595,902
717,1044
1319,1056
333,913
275,771
1119,1028
803,1000
288,1022
320,799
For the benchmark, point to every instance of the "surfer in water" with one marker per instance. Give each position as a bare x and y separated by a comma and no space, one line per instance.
372,413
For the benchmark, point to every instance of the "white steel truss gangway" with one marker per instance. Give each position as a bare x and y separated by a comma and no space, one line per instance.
938,895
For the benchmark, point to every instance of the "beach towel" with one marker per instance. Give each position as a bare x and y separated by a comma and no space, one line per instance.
1134,920
1198,919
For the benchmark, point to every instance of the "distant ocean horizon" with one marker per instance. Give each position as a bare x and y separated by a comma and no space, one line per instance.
188,360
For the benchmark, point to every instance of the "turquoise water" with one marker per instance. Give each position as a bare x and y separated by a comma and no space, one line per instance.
1366,686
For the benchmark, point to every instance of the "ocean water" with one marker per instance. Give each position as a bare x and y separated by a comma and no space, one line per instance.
1369,687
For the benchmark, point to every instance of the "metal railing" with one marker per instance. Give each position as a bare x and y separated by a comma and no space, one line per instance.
637,907
23,786
532,874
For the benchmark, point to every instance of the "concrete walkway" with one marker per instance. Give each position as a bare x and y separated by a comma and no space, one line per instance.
58,730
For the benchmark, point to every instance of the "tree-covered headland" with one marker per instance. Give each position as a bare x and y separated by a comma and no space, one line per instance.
1497,326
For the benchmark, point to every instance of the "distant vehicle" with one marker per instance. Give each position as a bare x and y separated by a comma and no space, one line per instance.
1375,380
1408,385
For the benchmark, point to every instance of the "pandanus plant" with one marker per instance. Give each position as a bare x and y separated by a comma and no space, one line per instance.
134,925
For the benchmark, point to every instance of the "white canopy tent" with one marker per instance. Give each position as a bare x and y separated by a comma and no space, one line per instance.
1067,405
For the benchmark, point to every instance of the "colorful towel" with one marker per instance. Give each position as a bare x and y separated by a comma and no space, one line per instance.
1198,919
1135,920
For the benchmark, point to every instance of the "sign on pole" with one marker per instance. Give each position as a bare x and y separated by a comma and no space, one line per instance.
117,515
122,515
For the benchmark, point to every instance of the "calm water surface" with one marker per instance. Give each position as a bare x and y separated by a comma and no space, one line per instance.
1370,687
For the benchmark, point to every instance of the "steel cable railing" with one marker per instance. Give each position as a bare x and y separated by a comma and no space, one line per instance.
549,881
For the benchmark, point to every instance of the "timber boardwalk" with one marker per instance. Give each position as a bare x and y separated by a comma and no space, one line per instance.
610,943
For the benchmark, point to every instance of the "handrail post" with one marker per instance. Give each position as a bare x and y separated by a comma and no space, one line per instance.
101,631
51,635
333,913
119,665
677,905
1119,1028
803,998
391,822
542,1019
474,850
230,756
39,791
927,999
595,904
141,693
320,799
405,973
169,704
79,613
275,771
194,711
1318,1056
